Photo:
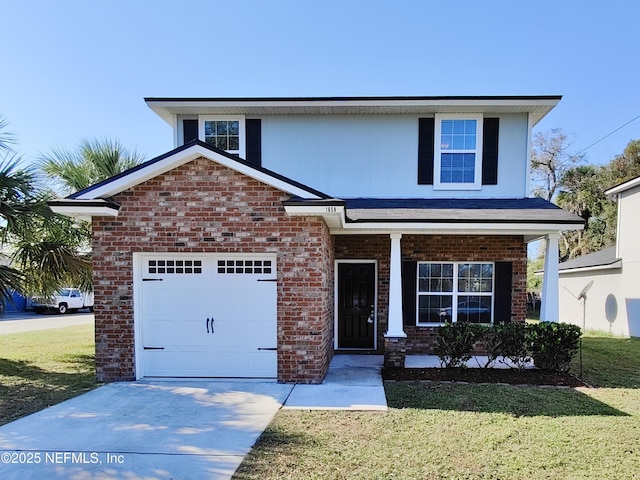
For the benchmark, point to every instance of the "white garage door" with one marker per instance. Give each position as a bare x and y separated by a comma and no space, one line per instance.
207,315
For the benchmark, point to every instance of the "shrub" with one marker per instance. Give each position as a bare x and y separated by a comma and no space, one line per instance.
455,342
492,342
553,345
514,345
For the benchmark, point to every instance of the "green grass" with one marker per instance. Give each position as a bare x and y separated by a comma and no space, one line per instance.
454,431
45,367
609,361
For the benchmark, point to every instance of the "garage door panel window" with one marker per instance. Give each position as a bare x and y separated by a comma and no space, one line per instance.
250,267
174,267
455,292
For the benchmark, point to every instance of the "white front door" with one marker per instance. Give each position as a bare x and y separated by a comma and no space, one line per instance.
207,315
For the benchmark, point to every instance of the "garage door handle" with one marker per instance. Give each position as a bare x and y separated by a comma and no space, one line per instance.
153,348
266,348
151,279
267,279
210,320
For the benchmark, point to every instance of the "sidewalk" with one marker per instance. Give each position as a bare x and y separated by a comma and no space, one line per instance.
353,382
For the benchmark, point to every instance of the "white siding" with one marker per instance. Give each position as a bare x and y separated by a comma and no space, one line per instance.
605,283
621,287
629,228
376,155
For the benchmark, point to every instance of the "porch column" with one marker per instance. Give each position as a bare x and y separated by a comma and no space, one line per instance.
550,283
394,325
395,340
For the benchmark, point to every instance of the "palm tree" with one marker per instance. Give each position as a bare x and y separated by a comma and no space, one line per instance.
16,207
6,138
93,161
52,252
46,251
15,188
58,244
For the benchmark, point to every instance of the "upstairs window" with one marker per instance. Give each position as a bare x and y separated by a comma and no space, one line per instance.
458,152
225,133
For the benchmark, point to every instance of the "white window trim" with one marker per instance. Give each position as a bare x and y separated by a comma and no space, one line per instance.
477,184
454,293
241,130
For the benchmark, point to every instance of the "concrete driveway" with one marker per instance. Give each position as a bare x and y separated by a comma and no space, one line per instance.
143,430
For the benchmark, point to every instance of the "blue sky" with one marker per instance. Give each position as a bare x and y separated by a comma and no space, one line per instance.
80,69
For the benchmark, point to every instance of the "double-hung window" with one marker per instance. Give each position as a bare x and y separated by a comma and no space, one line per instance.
225,133
458,152
455,292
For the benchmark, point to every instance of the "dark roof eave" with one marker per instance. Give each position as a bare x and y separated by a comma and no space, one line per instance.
66,202
326,202
472,220
334,99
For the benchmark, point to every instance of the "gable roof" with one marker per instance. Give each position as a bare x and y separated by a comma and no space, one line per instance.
605,258
536,105
184,154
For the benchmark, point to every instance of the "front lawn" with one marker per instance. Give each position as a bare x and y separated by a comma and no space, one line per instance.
455,431
44,367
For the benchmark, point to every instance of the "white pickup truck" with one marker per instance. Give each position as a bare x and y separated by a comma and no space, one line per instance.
67,300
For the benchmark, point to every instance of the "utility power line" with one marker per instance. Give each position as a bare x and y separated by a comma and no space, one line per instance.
607,135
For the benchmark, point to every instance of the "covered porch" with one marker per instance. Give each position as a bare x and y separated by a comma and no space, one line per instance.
405,241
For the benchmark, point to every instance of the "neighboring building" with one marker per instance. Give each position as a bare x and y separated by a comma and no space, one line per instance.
613,301
280,230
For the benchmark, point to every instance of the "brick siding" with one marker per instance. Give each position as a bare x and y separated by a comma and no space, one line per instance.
202,207
463,248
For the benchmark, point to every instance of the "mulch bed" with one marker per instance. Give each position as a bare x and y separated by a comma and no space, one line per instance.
483,375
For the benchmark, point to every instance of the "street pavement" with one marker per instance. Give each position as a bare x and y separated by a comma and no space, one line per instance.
15,322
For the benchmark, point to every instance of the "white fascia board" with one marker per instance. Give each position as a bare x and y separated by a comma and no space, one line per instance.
622,187
84,212
158,105
617,265
525,229
166,109
173,161
334,216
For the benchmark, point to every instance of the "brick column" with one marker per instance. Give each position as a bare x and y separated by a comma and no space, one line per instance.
395,351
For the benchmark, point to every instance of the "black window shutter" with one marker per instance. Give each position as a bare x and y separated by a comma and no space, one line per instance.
409,292
425,150
490,131
502,295
254,141
189,130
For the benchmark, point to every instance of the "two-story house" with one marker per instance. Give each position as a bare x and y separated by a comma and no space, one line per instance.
281,230
612,275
